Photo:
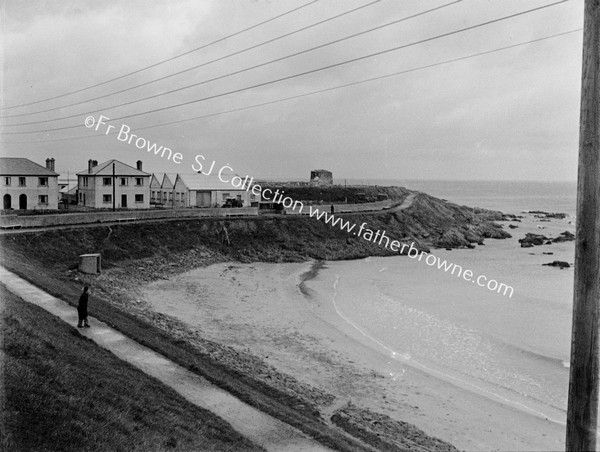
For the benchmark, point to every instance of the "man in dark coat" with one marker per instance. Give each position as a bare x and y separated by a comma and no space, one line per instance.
82,309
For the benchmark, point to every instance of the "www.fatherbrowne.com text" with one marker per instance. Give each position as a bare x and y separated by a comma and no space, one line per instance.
227,175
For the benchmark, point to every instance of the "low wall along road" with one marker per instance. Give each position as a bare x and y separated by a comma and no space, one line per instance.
36,221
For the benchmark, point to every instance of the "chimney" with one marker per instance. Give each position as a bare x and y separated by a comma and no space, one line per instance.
90,165
52,161
95,163
48,164
139,165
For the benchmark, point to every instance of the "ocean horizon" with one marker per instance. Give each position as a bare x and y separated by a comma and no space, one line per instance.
512,197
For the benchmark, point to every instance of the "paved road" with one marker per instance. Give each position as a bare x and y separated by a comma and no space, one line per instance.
408,201
260,428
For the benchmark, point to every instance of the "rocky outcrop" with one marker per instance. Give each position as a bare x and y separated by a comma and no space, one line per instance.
452,226
559,264
531,239
564,237
542,214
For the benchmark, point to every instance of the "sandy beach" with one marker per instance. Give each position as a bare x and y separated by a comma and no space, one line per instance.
287,315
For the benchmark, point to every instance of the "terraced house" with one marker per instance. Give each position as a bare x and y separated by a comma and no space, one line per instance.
26,185
113,184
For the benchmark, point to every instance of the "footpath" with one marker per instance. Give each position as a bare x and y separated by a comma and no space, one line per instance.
258,427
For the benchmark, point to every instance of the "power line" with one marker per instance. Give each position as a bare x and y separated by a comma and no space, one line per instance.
197,66
359,82
168,59
164,93
312,71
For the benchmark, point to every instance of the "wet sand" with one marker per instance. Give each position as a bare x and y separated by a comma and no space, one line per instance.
285,314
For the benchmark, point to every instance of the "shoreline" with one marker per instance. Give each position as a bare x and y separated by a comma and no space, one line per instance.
313,355
347,366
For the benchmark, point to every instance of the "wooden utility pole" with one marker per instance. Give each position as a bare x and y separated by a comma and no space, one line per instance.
582,412
113,186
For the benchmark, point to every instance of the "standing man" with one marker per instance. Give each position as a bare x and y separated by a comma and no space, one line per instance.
82,309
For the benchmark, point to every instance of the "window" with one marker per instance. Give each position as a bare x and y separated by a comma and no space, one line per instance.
106,181
7,181
124,182
43,181
84,181
139,181
42,199
139,198
22,182
153,195
106,198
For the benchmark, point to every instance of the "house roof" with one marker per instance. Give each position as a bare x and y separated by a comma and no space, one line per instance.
162,178
121,169
156,180
18,166
70,188
204,182
168,180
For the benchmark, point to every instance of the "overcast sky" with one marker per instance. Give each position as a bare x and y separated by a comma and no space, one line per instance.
509,115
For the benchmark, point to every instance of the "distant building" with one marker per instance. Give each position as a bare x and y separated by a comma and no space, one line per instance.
321,177
201,190
166,188
161,189
155,194
131,186
27,185
68,192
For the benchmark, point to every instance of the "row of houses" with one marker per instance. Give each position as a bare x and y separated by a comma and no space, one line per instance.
114,184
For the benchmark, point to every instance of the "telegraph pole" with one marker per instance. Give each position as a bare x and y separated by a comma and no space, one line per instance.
582,412
113,185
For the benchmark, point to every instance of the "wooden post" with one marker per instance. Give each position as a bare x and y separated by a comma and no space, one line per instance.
582,412
113,185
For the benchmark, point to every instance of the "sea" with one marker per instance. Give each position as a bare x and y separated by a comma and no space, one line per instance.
506,196
512,349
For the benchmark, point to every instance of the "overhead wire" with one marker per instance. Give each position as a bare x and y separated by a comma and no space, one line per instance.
346,85
270,41
276,60
299,74
137,71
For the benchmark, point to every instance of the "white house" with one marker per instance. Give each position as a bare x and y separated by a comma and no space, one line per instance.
27,185
201,190
113,184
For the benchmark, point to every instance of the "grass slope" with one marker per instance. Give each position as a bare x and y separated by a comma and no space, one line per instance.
63,392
